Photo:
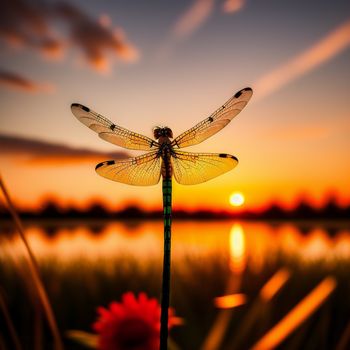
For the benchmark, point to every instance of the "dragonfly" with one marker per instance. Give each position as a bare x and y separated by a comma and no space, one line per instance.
165,159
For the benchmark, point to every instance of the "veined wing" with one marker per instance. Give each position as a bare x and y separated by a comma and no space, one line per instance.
219,119
111,132
139,171
195,168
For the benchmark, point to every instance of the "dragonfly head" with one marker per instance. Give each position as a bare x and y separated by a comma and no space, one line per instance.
159,131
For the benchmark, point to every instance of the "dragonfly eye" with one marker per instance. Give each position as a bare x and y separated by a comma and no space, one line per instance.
157,132
168,132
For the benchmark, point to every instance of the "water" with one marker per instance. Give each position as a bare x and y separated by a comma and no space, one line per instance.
275,266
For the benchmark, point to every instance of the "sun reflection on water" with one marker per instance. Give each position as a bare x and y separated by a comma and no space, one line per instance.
237,248
242,243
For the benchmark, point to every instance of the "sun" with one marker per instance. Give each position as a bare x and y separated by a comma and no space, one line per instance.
237,199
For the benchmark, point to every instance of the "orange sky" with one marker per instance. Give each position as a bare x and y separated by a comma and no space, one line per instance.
174,68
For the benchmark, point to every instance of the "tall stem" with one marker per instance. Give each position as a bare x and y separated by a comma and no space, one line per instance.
34,270
167,190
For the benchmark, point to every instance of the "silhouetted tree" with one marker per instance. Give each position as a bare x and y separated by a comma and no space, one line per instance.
303,210
274,211
331,209
50,209
97,210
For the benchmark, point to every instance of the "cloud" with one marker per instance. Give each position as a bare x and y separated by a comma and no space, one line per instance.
18,82
43,152
232,6
32,24
193,18
25,24
95,38
199,12
322,51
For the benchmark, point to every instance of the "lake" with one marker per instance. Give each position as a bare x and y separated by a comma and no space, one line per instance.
236,285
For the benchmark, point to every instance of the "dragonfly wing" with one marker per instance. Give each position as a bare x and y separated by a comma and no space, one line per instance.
218,120
110,132
139,171
195,168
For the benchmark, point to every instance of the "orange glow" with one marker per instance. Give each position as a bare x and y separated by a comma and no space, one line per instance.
100,63
316,245
230,301
258,244
237,248
232,6
64,160
127,53
342,245
71,245
297,315
75,181
274,284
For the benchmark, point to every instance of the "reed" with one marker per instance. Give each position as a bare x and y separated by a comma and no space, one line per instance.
34,270
9,324
297,315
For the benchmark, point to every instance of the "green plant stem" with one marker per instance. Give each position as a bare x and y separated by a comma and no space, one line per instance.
167,191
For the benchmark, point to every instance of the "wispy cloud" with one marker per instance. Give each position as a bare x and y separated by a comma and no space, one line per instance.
18,82
43,152
232,6
31,24
322,51
199,12
193,18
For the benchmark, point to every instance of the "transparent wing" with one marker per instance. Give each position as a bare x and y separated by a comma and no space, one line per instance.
111,132
219,119
195,168
139,171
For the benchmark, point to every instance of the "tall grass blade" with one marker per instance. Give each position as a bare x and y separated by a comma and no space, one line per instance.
297,315
344,341
34,270
218,330
9,323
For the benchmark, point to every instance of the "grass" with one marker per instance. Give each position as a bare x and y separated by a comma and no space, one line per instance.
77,286
34,274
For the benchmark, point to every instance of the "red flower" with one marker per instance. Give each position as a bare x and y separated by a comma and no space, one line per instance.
133,324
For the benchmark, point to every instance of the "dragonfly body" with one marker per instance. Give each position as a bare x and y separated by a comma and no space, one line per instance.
165,159
165,150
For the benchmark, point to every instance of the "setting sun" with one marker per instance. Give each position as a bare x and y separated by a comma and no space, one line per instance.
236,199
